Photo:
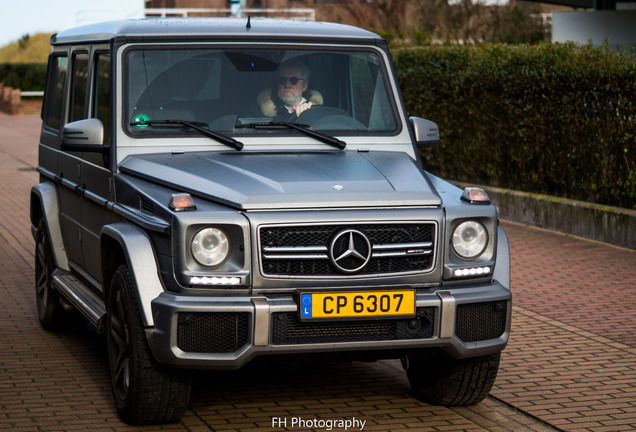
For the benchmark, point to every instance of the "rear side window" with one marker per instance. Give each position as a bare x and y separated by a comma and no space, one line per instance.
101,97
79,86
54,100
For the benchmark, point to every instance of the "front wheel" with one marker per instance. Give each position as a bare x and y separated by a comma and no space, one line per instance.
50,311
442,380
144,392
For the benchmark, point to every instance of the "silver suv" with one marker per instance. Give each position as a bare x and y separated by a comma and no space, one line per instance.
213,191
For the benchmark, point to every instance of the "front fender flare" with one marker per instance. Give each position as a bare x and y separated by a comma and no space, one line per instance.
502,268
44,204
140,257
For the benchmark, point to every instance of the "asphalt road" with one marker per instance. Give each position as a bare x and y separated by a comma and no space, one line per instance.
570,364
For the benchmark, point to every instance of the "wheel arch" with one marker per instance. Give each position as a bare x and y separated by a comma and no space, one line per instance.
125,243
45,205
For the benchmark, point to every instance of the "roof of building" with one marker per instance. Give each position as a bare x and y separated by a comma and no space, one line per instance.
586,4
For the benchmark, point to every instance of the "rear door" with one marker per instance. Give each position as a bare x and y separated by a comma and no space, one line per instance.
65,66
96,176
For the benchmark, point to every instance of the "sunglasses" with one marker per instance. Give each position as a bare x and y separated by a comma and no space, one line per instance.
292,80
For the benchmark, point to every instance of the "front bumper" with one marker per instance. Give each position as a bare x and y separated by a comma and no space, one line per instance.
227,332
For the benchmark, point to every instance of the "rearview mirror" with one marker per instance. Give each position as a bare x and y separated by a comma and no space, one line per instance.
84,135
426,132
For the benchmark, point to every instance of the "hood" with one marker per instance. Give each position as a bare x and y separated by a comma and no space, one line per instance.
253,181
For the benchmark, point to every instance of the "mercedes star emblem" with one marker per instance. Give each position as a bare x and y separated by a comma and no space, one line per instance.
350,251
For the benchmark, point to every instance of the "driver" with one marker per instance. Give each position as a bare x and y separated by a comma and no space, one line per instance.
291,95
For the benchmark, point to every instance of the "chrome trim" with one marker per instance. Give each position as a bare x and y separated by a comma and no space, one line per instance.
402,249
261,321
353,250
297,257
283,249
319,252
401,254
384,246
295,252
320,256
447,311
81,297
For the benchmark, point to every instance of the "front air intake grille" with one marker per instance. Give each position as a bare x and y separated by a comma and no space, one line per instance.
481,321
309,250
290,330
212,332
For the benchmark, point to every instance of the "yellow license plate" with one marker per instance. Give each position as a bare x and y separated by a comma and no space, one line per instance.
357,304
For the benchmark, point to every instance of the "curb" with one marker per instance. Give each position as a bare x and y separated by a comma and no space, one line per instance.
613,225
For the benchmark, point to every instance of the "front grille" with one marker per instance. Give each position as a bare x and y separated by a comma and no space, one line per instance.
306,250
481,321
289,330
212,332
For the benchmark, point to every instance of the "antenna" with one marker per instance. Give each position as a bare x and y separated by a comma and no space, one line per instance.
249,25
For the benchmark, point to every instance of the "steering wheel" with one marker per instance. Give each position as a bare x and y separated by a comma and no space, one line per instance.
321,117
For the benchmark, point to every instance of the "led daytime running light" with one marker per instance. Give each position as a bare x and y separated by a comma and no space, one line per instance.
473,271
215,280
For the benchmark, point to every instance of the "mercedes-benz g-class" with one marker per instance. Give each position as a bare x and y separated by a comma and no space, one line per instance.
213,191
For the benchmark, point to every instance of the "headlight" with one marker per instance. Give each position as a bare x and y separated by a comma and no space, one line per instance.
210,247
469,239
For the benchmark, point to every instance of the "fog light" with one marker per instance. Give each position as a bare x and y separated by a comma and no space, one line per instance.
414,324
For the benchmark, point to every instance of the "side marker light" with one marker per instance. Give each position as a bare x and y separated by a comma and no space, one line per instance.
475,195
182,202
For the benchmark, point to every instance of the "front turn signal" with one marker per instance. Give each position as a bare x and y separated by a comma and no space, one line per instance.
475,195
182,202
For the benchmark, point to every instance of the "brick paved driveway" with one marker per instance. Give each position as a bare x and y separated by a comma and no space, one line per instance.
570,365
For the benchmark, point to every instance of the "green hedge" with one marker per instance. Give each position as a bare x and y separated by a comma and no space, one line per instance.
551,118
23,76
556,119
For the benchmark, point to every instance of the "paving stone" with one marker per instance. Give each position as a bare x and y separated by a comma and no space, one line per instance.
570,363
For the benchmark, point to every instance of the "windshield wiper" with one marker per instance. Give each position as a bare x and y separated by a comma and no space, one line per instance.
322,137
224,139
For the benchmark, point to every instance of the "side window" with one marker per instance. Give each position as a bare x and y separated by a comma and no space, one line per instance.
370,96
101,107
79,86
54,99
363,85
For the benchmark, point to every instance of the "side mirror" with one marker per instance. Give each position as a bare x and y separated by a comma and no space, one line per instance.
426,132
84,135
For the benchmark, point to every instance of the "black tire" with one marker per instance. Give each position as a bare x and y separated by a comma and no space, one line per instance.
50,311
144,392
443,380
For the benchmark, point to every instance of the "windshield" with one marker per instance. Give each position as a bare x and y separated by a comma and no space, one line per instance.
239,92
